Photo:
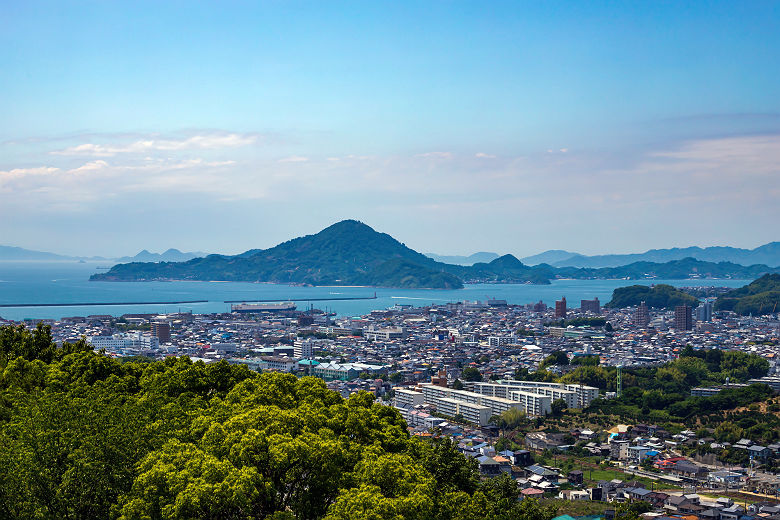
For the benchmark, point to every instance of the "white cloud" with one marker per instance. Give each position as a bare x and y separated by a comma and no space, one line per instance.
435,155
482,155
294,159
145,146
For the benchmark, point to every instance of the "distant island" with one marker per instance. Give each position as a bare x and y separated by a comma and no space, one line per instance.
761,296
352,253
19,254
768,254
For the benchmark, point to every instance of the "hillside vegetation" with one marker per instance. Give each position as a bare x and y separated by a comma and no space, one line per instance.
762,296
85,436
659,296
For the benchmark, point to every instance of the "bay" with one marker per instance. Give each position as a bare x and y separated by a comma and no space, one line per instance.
68,282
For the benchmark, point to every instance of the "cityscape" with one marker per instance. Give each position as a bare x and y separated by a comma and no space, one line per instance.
432,260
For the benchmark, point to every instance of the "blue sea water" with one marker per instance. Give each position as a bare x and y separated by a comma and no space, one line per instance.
68,282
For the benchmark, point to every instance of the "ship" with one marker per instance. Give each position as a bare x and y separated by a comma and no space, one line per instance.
262,307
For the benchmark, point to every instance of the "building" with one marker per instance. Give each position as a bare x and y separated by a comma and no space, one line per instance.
303,348
540,307
278,363
575,396
122,342
560,308
704,311
407,397
162,329
501,341
683,317
642,316
593,306
480,407
385,334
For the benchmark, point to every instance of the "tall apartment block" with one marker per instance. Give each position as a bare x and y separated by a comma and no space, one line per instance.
162,330
560,308
642,316
593,306
683,317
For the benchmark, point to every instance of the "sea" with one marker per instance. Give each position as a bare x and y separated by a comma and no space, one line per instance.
68,282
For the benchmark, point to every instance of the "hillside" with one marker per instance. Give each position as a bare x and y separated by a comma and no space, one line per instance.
472,259
659,296
762,296
672,270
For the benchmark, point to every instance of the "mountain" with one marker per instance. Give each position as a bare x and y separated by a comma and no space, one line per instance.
14,254
346,253
551,257
768,254
660,296
463,260
17,253
761,296
171,255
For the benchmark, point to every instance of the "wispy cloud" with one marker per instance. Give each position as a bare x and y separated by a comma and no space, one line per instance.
294,159
435,155
144,146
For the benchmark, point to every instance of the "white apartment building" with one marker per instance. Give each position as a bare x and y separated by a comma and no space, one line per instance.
575,396
120,342
405,396
303,348
385,334
501,341
278,363
442,398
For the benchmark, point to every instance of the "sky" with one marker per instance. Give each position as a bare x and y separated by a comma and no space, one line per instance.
514,127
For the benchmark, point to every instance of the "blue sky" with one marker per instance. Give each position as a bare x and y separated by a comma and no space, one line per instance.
511,127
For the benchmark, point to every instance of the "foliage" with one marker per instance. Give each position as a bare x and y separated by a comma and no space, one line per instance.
86,436
471,374
558,357
660,296
761,296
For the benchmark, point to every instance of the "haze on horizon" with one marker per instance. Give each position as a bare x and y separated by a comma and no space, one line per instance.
456,127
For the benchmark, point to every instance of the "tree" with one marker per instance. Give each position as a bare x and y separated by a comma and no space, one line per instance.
557,407
457,385
471,374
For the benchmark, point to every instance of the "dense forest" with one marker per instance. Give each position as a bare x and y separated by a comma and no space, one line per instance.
85,436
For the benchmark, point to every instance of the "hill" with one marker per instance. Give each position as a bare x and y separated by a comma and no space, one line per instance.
552,257
171,255
346,253
762,296
482,256
768,254
660,296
